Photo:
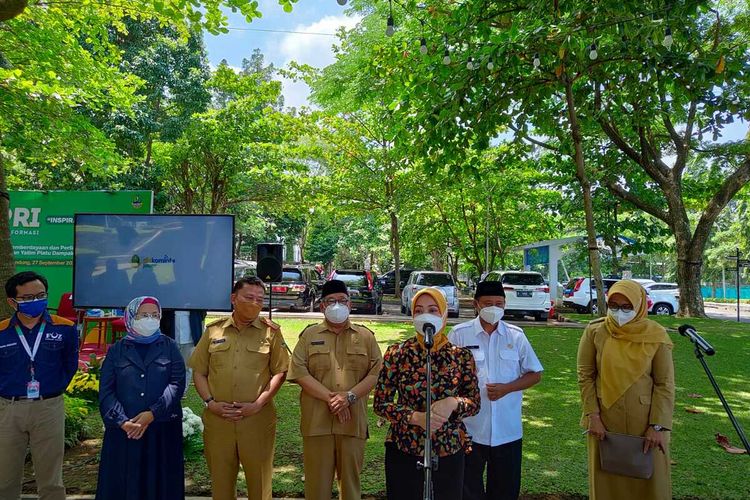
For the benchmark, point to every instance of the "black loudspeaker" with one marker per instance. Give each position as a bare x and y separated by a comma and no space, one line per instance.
270,258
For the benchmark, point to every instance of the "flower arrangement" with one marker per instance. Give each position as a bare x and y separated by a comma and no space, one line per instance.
85,385
192,433
191,424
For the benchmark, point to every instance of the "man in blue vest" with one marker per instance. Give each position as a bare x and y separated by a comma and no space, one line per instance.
38,358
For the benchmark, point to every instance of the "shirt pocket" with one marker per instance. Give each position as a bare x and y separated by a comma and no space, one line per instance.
481,363
357,358
219,354
509,368
162,364
126,372
259,355
645,399
9,351
51,346
319,359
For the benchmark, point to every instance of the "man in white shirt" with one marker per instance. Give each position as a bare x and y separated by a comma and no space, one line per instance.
186,328
506,365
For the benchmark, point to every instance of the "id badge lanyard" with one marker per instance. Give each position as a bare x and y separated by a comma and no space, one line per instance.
37,342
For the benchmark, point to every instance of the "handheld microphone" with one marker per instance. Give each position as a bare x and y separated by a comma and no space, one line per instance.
428,330
689,332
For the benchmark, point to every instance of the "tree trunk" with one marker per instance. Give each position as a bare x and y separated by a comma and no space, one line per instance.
396,250
11,8
689,269
612,243
303,242
238,247
588,207
149,148
689,280
437,260
7,260
453,259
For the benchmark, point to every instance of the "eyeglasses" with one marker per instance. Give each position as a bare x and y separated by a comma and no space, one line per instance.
148,315
620,307
27,298
330,302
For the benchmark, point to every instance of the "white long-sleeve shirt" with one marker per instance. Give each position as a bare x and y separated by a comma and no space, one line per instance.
502,357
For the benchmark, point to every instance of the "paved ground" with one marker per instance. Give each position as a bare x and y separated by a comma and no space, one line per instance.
728,311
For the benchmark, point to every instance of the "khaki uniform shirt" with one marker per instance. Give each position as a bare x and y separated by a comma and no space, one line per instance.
339,362
239,363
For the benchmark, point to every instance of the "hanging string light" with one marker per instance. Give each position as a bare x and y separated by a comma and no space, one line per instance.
668,40
422,41
390,28
593,54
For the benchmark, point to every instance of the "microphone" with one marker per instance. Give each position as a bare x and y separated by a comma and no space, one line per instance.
689,332
428,330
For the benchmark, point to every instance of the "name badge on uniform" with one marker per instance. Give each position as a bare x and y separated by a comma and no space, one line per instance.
218,341
318,342
32,390
472,347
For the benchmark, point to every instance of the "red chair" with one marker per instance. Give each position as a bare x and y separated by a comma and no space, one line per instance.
118,329
65,308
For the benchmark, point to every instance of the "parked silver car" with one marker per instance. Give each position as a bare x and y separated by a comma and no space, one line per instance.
438,279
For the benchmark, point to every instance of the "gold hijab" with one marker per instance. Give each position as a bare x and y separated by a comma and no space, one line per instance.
440,338
628,351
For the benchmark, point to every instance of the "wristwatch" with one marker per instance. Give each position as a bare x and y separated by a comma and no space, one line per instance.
351,397
658,428
208,400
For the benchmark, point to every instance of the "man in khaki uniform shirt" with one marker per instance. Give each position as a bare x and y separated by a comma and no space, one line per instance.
337,364
238,366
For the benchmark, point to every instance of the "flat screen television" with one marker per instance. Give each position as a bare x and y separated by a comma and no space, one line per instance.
185,261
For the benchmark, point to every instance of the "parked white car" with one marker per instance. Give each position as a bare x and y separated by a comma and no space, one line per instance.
438,279
672,288
581,296
666,300
526,293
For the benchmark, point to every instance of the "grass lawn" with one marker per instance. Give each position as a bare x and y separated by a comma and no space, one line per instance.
554,451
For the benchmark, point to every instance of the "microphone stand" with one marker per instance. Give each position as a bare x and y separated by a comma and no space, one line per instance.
737,426
429,462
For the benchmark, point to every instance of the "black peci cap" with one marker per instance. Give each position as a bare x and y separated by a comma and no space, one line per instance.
334,286
494,288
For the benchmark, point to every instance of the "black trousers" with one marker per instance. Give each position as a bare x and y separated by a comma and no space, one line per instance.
405,481
503,472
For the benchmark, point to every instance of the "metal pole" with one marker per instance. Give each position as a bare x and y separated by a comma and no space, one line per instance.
738,285
428,461
270,304
650,269
737,426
